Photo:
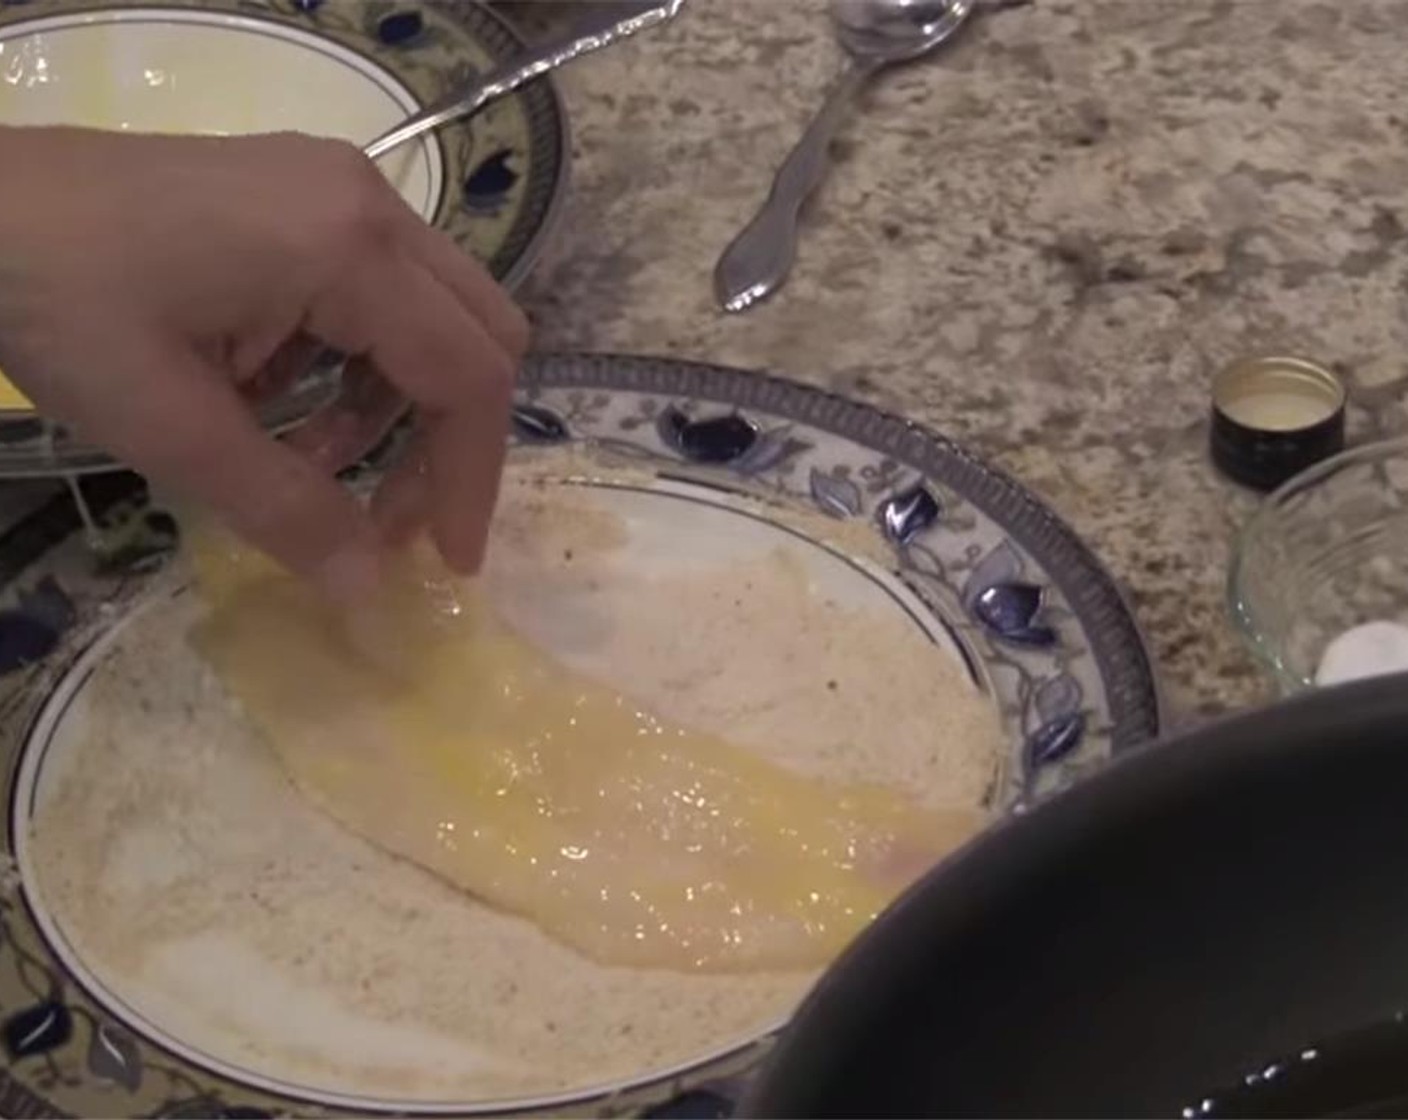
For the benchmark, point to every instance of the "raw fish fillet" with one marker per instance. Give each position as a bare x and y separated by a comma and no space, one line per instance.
434,731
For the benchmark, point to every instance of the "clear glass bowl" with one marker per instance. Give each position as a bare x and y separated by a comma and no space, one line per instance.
1325,552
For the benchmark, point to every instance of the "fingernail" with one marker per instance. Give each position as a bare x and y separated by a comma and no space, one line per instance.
351,576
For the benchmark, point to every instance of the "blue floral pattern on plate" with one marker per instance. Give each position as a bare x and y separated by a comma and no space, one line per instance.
487,187
400,29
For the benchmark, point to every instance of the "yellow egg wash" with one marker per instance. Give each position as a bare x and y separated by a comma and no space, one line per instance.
433,730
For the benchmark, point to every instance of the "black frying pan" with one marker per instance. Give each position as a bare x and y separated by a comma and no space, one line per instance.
1146,942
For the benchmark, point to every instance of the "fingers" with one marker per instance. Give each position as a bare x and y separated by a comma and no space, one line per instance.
472,285
190,432
420,337
401,505
465,455
365,409
429,326
290,362
368,404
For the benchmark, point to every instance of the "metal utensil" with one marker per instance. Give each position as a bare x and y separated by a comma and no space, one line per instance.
875,34
607,25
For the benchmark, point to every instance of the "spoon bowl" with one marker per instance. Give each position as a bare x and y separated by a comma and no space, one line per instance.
886,31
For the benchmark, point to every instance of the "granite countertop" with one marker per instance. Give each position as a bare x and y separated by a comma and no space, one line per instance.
1042,242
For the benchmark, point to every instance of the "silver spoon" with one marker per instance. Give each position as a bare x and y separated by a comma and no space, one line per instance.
875,34
605,26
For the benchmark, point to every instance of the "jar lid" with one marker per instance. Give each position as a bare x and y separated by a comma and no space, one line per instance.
1272,417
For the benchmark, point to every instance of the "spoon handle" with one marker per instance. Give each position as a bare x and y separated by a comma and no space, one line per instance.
757,261
601,29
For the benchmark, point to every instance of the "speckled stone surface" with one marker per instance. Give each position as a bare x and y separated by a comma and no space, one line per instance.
1043,242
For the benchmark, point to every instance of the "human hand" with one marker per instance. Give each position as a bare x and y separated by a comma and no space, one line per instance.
152,288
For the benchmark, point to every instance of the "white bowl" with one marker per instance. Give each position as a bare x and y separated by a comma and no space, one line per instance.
169,70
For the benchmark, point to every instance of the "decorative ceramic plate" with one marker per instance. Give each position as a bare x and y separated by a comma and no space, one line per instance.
977,563
348,69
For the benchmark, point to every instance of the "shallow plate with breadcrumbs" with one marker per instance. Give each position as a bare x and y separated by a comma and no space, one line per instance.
199,941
